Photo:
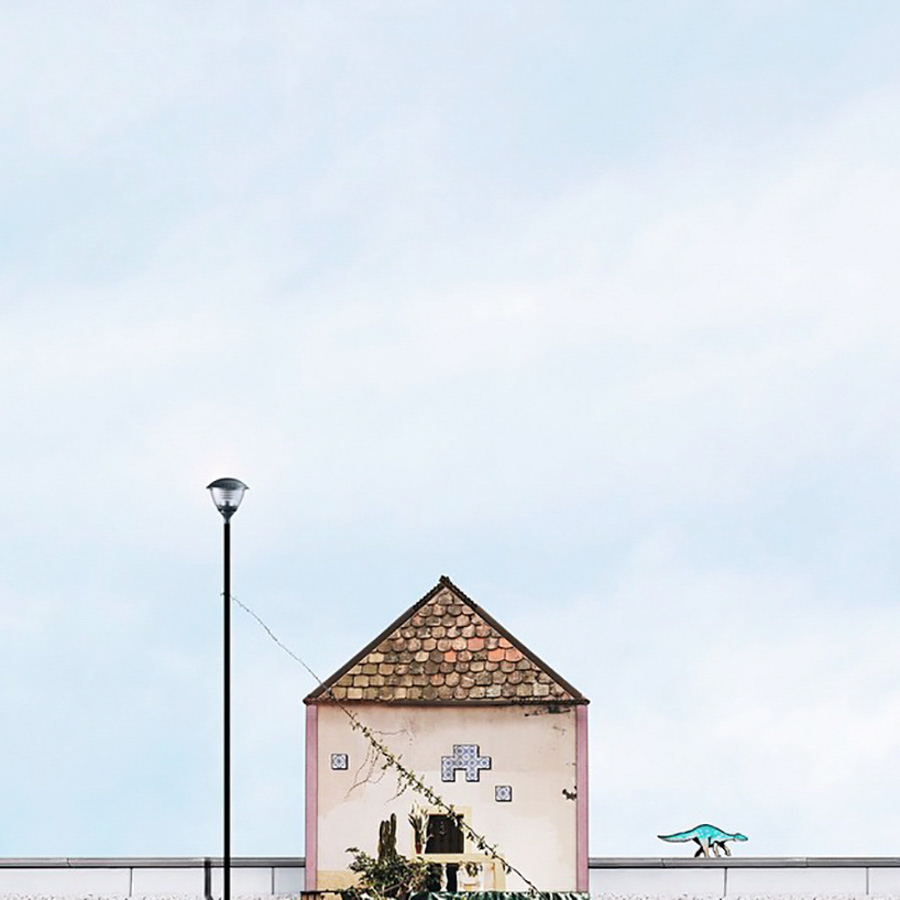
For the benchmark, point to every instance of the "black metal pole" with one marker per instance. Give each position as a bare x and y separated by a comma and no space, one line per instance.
226,856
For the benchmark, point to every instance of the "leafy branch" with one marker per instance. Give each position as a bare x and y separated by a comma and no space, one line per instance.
407,779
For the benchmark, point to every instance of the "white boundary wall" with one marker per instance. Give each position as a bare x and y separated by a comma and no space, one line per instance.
165,877
182,878
747,876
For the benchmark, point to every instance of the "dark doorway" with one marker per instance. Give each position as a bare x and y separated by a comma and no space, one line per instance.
444,835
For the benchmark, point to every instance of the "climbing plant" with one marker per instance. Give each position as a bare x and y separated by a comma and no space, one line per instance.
406,779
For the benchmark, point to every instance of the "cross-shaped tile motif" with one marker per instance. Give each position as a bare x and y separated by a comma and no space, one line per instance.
465,758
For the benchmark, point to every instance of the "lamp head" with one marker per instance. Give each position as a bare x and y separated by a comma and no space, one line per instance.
227,494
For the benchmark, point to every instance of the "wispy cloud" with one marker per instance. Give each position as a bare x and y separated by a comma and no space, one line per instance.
592,311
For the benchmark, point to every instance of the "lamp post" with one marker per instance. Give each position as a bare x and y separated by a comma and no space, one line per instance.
227,494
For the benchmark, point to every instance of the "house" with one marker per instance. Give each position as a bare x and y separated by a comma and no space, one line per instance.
495,732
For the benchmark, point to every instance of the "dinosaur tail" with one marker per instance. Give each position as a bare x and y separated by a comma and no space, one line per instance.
678,836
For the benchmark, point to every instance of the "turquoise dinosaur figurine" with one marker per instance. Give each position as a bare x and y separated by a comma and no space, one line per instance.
706,837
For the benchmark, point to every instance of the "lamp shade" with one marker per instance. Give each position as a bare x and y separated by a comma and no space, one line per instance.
227,494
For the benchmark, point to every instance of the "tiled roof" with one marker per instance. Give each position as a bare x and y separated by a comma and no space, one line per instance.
445,649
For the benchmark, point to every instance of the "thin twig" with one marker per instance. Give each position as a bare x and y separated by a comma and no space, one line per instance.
405,777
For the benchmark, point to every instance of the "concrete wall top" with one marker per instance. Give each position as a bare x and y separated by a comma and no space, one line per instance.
150,862
745,862
596,862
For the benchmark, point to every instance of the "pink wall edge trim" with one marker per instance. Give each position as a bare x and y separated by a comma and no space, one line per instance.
581,799
312,794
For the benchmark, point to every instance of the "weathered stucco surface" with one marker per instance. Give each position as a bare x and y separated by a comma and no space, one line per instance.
532,749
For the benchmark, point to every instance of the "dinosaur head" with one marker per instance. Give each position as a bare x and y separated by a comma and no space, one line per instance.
740,837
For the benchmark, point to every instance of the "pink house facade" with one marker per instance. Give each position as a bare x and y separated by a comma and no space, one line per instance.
492,729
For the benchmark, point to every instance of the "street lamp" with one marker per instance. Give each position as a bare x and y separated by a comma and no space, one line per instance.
227,494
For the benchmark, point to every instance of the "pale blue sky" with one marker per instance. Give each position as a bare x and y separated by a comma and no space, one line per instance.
590,306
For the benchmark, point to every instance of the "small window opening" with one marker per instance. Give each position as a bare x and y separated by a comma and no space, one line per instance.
444,835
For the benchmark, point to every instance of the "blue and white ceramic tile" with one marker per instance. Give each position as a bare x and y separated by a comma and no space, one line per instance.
466,758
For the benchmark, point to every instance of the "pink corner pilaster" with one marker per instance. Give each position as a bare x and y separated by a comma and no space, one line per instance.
581,798
312,794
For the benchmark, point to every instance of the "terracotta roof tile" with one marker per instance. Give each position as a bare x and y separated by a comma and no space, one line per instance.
446,649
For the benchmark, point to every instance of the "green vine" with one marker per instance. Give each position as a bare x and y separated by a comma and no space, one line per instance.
407,779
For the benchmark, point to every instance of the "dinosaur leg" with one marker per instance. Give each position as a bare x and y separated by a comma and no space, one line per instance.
704,847
715,848
725,848
699,848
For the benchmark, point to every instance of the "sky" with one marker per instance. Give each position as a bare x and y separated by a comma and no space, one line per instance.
590,306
